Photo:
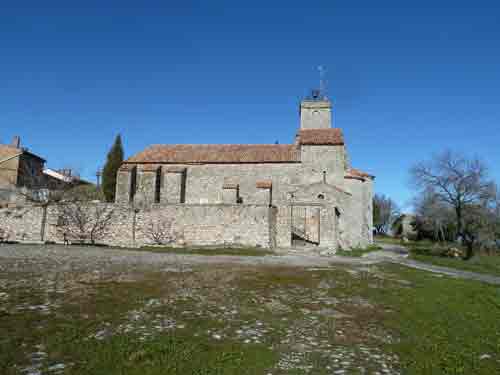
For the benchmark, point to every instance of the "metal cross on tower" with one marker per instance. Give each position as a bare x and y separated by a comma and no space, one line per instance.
322,81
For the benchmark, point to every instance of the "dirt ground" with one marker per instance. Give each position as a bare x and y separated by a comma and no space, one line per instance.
67,310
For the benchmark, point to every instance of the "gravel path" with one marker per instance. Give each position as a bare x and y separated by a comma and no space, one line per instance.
76,257
85,257
490,279
398,254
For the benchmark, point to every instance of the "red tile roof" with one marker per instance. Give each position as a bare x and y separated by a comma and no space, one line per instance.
180,154
264,184
332,137
354,173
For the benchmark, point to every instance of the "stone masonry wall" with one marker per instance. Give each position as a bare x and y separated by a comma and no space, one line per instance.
319,159
204,182
22,223
359,212
193,225
209,225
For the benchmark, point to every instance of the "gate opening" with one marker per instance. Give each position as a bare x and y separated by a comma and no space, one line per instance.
305,226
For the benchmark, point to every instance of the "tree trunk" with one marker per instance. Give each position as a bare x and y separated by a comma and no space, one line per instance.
469,250
469,241
443,237
458,210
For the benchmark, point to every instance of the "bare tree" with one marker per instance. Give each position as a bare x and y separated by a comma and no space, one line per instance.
479,228
434,218
385,211
459,183
159,231
497,217
4,235
85,222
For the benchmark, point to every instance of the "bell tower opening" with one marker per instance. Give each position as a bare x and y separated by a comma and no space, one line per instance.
316,112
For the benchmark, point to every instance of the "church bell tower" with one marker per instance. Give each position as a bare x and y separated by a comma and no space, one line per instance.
316,112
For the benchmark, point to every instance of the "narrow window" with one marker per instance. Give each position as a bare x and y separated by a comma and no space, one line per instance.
133,183
158,185
183,187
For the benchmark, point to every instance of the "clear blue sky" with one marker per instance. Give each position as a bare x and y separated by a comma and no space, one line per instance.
407,78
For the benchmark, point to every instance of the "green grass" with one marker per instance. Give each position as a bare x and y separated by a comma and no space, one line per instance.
428,252
440,325
166,354
437,325
67,337
388,240
431,252
358,252
445,325
481,263
208,251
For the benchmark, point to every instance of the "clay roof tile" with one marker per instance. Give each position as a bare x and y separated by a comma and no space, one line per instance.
330,137
264,184
185,154
357,174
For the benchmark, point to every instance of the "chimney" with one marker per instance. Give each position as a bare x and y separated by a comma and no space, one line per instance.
16,141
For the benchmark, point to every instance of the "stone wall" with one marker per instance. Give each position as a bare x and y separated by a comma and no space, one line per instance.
359,213
22,223
210,225
327,159
204,183
189,225
315,114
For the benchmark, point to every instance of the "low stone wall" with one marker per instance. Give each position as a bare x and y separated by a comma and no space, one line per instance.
209,225
177,224
22,223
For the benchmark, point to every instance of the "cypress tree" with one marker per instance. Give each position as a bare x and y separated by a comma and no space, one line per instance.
113,162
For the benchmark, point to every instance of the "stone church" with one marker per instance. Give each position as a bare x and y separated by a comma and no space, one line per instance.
312,195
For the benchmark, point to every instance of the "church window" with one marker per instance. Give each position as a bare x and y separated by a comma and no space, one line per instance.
183,188
158,185
133,183
321,196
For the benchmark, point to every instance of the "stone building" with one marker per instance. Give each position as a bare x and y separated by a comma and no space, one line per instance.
19,169
23,174
314,197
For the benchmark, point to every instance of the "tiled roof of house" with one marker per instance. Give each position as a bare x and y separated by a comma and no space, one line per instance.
191,153
354,173
264,184
180,154
332,137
